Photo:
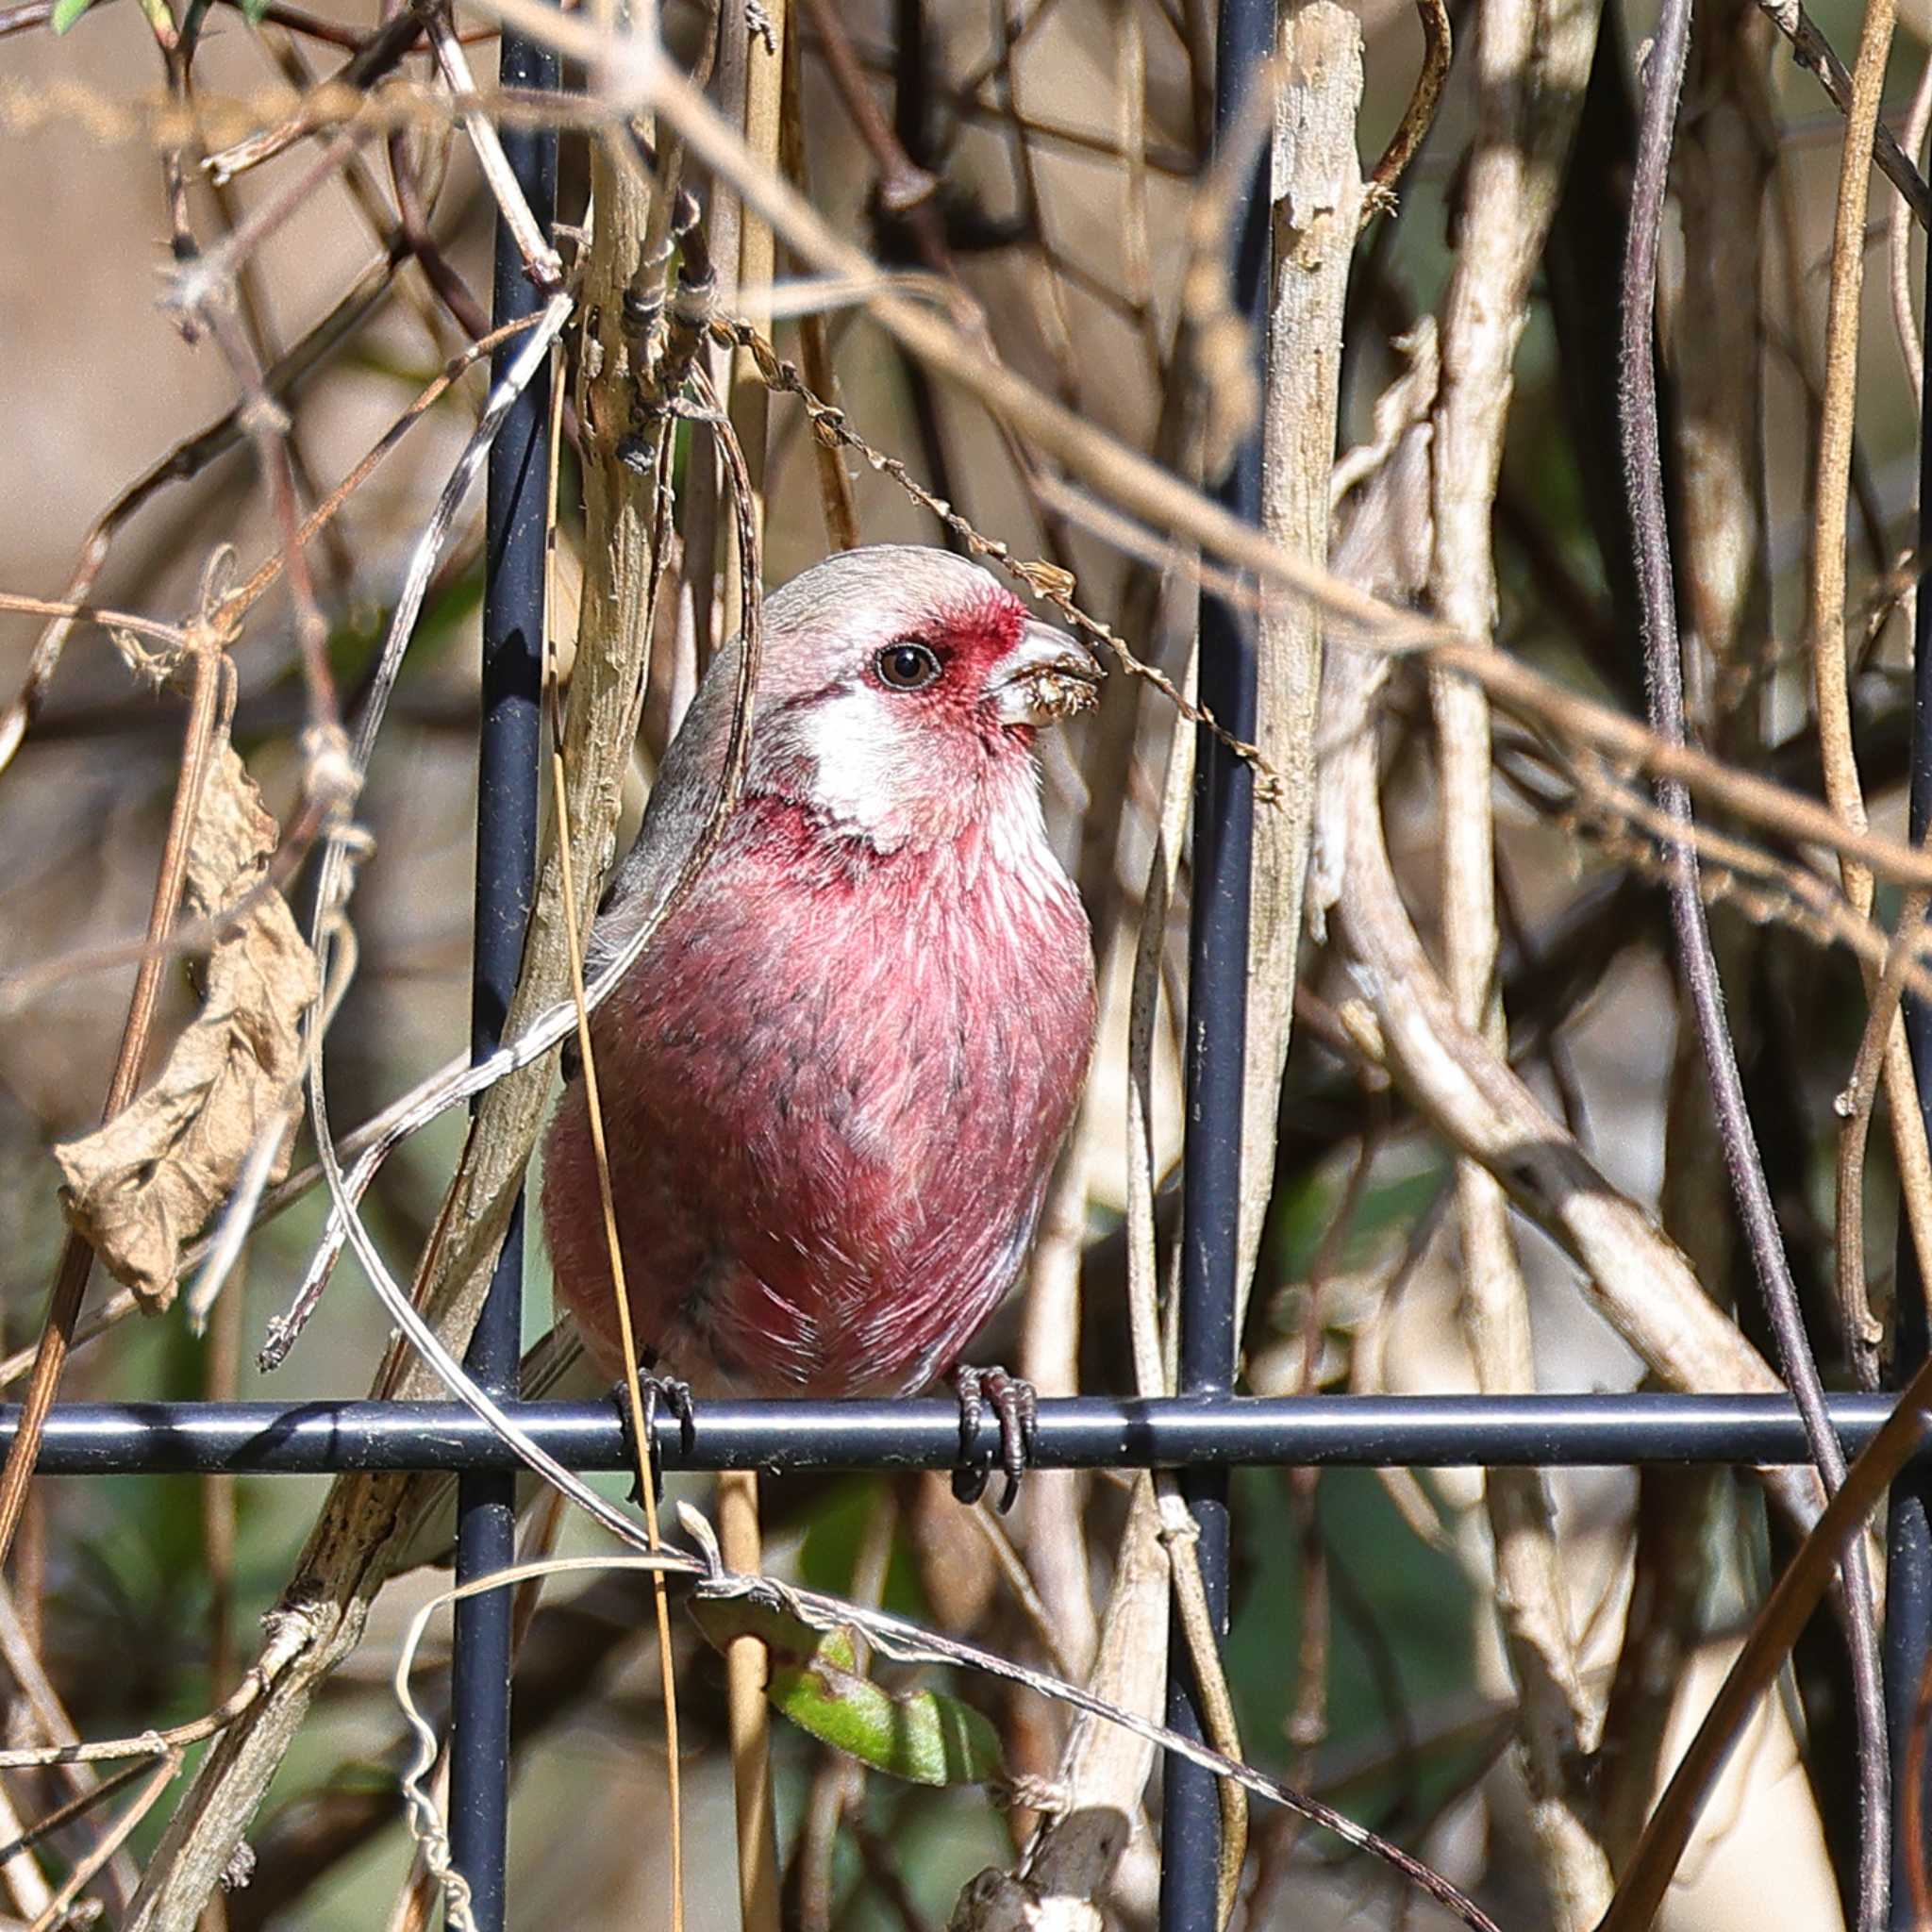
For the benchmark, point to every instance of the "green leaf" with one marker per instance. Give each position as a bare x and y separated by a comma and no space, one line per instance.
253,10
924,1736
67,12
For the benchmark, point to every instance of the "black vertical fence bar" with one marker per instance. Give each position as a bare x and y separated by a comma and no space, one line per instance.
1217,1026
1908,1525
507,782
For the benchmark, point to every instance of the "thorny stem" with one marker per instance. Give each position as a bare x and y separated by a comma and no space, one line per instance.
1643,473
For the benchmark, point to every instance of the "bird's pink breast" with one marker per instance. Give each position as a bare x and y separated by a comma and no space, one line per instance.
833,1091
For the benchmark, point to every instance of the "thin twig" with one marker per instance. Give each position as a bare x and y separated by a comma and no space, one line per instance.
1794,1599
285,1637
20,1647
1810,48
245,595
30,14
1420,114
267,426
1898,240
541,263
1663,664
1864,1333
375,56
75,1808
109,1843
747,1664
206,281
187,460
413,220
71,611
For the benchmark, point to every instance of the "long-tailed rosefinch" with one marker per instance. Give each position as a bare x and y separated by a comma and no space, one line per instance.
835,1083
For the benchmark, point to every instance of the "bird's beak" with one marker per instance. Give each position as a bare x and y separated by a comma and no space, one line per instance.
1044,677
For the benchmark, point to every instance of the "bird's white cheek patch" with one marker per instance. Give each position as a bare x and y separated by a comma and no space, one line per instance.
861,755
1016,828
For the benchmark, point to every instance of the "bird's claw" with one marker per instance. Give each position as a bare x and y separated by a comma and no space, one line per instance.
654,1390
1018,1408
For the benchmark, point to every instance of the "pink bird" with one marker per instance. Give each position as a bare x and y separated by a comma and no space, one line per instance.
836,1081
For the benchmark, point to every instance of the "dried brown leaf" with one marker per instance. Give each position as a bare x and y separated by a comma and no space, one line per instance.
142,1186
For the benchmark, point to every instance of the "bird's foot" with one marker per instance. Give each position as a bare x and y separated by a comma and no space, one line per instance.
1018,1408
655,1391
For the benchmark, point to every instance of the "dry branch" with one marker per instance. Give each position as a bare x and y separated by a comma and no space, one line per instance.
1316,190
1532,62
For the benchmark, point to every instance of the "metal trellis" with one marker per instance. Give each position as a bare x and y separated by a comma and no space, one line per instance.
1217,1026
515,542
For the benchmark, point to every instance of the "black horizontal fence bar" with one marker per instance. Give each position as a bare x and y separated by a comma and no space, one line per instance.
1078,1432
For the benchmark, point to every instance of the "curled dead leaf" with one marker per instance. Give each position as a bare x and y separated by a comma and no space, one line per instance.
145,1184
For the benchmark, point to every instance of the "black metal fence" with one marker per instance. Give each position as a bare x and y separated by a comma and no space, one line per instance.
1204,1431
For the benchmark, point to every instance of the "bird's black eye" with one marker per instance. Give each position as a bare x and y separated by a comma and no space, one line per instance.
909,665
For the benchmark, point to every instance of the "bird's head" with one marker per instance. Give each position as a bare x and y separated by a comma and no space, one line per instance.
899,691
